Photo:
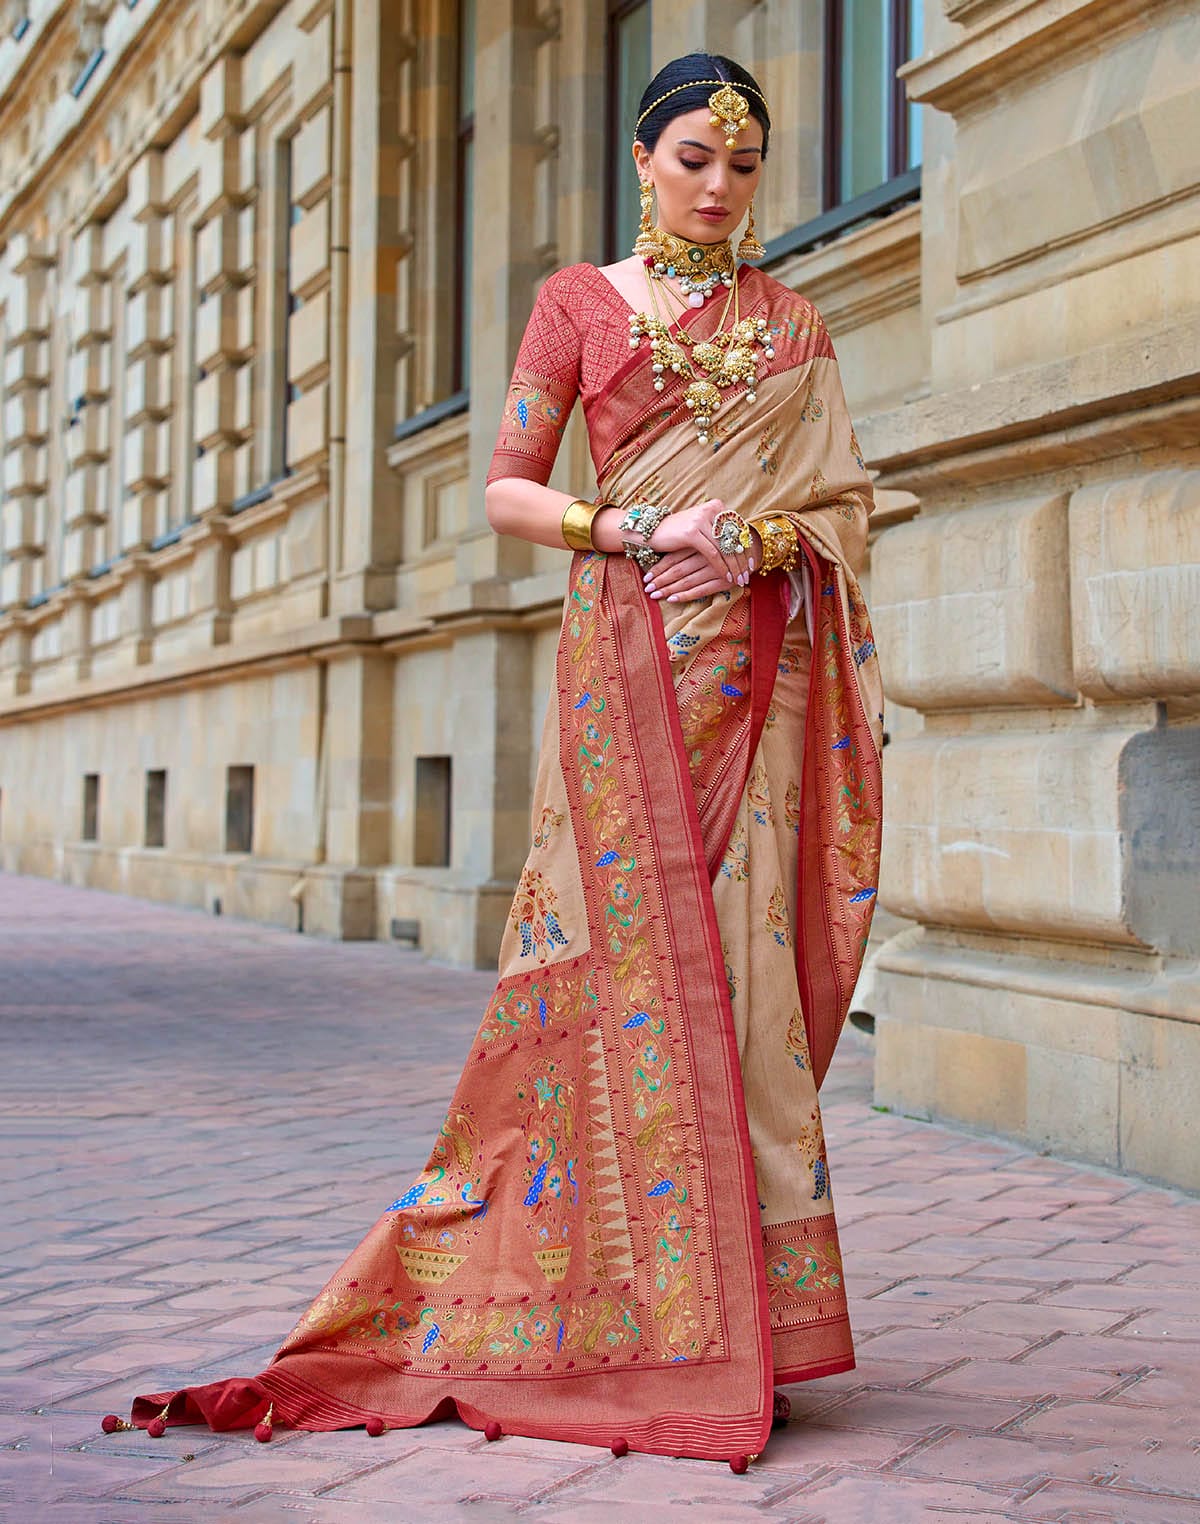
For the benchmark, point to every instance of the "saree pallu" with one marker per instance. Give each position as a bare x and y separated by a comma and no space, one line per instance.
624,1230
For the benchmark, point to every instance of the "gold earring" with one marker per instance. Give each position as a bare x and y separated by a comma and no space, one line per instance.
646,245
750,249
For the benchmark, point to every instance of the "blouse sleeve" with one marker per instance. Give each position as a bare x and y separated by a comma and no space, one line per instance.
542,392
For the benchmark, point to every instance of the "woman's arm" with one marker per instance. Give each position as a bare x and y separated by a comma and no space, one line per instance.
532,512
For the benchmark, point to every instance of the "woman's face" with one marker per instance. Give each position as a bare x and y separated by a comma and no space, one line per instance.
702,187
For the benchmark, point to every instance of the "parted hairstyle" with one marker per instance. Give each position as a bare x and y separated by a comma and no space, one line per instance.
681,71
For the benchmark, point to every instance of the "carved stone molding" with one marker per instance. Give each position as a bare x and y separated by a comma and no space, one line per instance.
1007,47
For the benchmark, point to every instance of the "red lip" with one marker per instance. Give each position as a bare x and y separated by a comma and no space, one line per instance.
713,213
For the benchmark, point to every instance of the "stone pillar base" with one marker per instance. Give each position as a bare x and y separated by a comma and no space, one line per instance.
1093,1060
459,920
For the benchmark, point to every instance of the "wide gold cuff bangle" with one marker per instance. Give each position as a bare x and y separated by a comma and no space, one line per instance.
780,543
577,524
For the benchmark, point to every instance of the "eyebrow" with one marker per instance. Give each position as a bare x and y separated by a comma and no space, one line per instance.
692,143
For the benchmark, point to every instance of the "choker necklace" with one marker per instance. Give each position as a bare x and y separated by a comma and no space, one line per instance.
699,267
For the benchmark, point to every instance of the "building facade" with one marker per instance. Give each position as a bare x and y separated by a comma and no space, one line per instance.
263,272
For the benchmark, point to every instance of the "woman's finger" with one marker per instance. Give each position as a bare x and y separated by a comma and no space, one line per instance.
667,576
707,587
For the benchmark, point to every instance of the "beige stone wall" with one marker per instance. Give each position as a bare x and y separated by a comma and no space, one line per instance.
1040,612
227,255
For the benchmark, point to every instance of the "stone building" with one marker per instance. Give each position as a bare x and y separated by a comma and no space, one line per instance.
263,272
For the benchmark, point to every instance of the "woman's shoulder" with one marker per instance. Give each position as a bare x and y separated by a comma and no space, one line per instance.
572,284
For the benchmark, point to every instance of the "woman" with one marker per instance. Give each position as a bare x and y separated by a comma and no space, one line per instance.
624,1234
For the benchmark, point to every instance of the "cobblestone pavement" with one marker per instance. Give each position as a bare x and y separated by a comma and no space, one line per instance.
199,1118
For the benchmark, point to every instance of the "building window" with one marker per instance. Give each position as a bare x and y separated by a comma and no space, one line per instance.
431,818
872,135
156,807
464,194
628,70
239,809
91,806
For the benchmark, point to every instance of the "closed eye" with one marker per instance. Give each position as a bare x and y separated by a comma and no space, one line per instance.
741,169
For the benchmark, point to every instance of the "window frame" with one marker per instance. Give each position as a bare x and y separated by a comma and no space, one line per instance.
464,142
618,11
832,106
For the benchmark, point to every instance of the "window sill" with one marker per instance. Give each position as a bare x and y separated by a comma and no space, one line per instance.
838,220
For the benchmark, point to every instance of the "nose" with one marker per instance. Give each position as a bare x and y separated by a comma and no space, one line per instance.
718,180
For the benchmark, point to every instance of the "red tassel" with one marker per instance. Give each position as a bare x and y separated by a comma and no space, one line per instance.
263,1429
492,1431
157,1427
619,1447
111,1424
739,1465
375,1427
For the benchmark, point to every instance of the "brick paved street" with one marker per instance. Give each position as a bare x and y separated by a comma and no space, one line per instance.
199,1118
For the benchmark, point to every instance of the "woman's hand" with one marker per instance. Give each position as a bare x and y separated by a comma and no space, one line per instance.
684,574
691,530
688,573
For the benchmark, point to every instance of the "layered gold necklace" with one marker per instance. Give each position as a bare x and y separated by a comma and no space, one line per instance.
728,358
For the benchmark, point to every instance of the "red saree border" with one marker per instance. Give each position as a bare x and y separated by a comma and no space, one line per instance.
658,739
833,791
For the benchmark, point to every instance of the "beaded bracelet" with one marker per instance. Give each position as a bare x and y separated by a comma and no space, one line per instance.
643,519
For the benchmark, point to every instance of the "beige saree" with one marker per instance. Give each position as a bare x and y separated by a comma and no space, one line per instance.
625,1229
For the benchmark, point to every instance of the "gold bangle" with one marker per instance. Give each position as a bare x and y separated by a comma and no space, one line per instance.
577,524
780,543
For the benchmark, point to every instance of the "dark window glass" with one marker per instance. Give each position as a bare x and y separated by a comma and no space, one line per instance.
91,806
239,809
431,823
156,807
872,135
629,72
465,176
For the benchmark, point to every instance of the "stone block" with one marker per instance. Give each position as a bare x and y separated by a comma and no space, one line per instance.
26,362
309,249
145,463
1096,140
1160,1100
1015,830
149,320
308,341
87,434
86,494
1135,586
1159,791
89,372
18,526
308,426
26,416
310,159
216,407
971,607
218,339
213,480
148,388
25,470
91,312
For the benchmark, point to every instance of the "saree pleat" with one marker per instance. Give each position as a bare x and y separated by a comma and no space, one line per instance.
625,1228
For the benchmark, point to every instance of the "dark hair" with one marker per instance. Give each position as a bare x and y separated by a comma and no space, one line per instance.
683,72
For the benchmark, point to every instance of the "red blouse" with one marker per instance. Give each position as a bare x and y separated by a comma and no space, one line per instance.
577,345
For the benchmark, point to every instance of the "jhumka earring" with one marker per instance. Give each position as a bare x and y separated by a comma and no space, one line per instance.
750,249
646,245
